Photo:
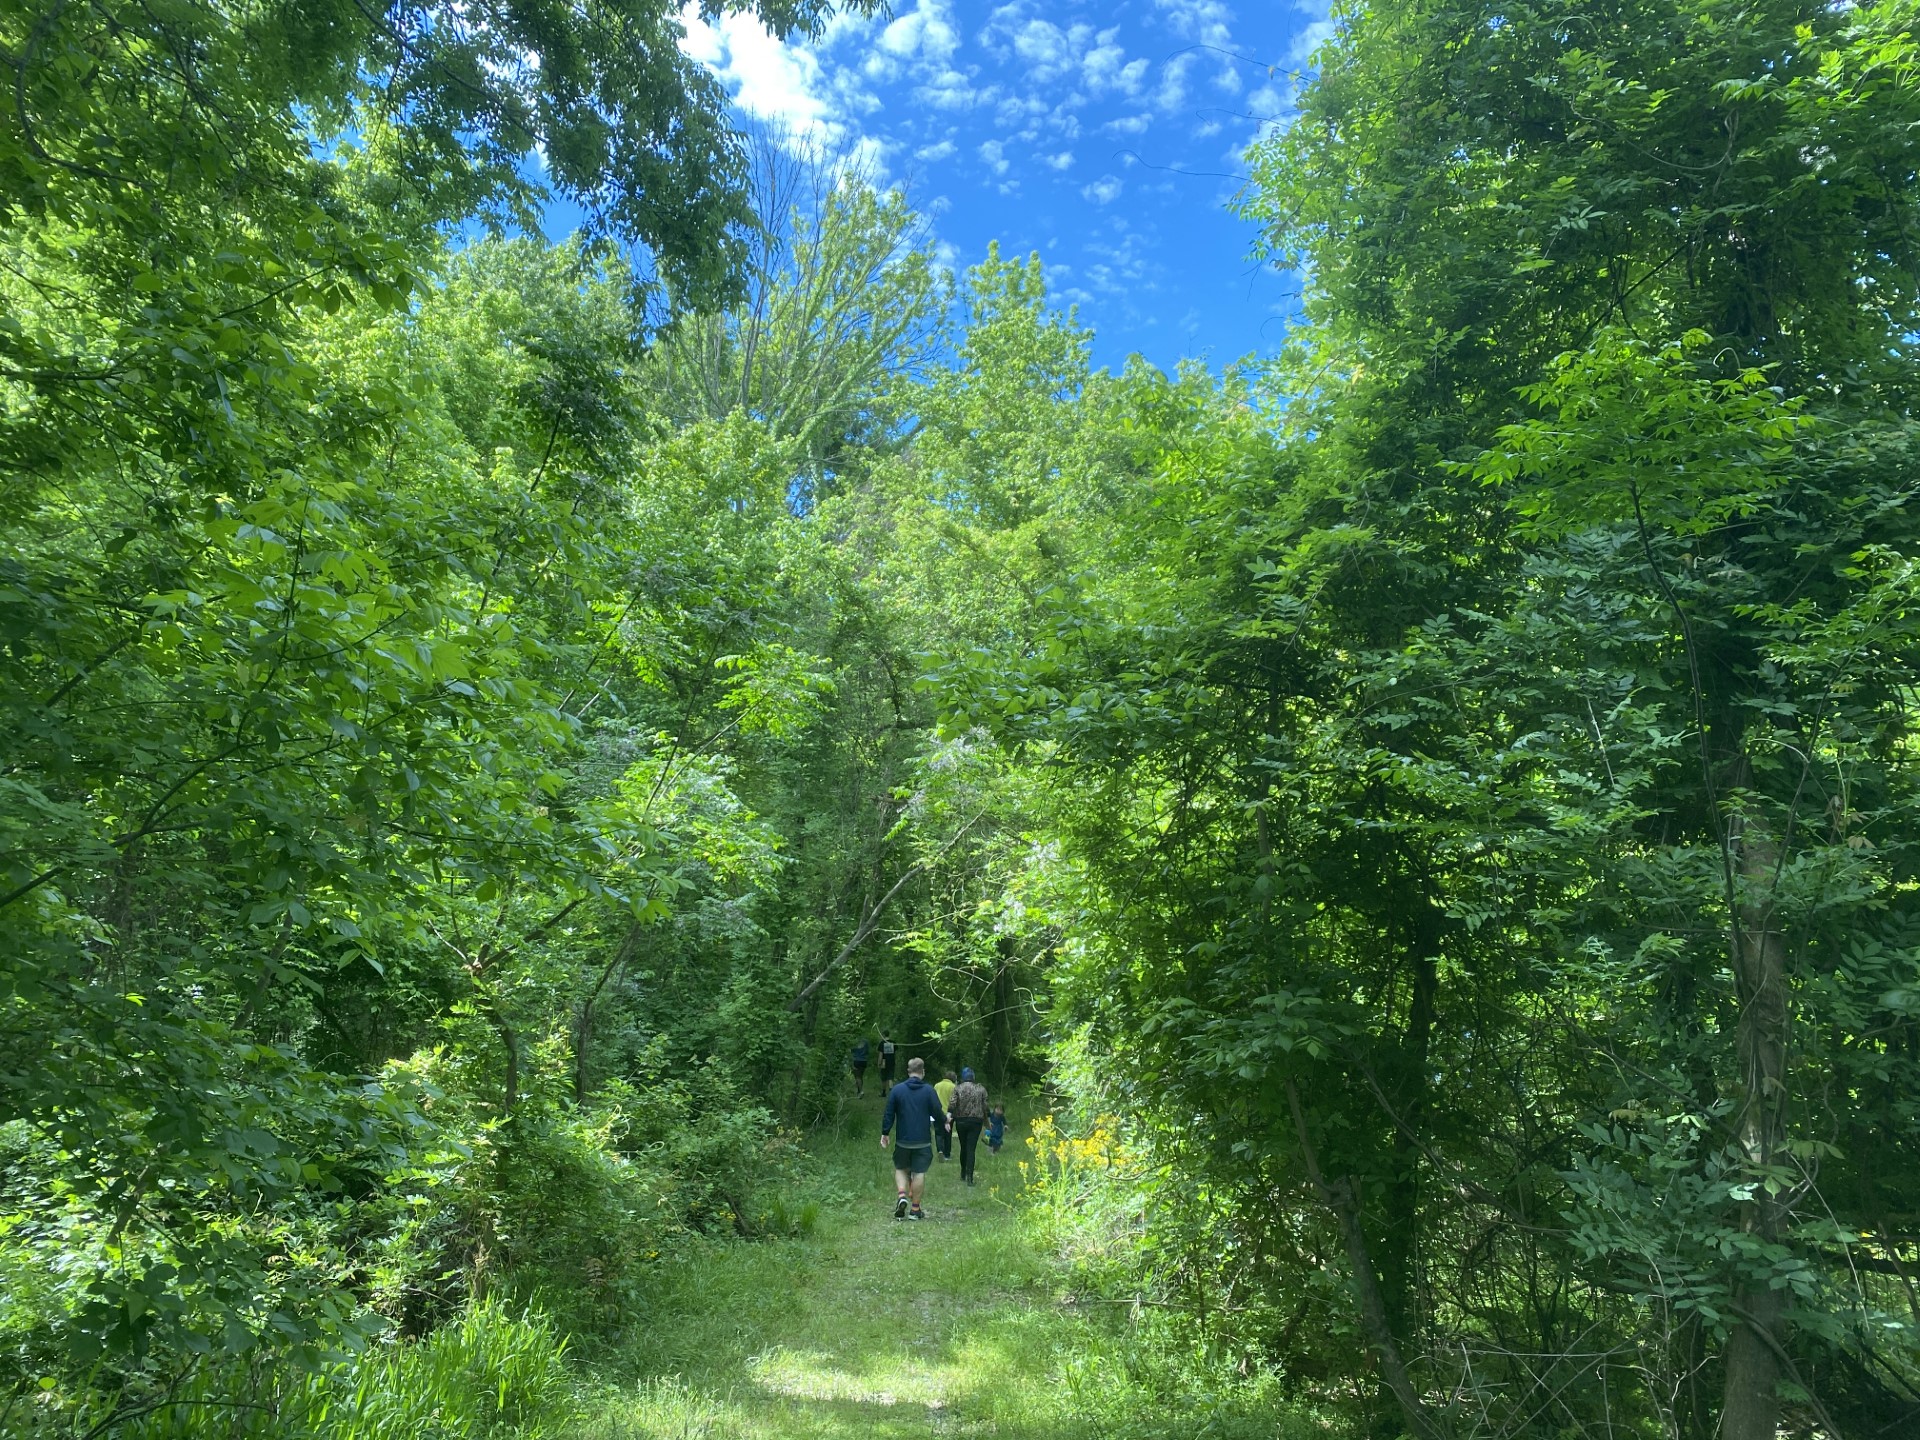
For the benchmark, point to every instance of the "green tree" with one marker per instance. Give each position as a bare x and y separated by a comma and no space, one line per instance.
302,554
1378,767
843,306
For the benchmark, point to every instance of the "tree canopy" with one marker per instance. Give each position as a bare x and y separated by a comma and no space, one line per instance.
486,723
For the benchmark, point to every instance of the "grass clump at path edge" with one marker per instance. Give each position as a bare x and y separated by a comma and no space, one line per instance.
878,1328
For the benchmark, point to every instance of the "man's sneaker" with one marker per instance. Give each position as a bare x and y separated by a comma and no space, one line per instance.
917,1214
900,1208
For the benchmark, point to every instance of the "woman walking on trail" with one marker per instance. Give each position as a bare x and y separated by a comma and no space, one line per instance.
969,1110
858,1059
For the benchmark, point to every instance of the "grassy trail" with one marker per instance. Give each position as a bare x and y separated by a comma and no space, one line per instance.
876,1328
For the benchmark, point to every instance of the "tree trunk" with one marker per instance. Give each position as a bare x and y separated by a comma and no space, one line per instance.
1750,1409
583,1016
1338,1196
510,1081
1398,1251
1000,1000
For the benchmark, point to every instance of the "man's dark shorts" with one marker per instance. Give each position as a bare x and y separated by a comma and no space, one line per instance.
914,1159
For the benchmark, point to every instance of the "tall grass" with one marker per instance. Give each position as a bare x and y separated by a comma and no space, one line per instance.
488,1373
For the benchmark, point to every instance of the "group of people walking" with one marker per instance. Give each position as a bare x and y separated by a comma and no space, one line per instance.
922,1119
861,1055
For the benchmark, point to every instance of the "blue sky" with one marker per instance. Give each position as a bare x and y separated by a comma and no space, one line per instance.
1063,128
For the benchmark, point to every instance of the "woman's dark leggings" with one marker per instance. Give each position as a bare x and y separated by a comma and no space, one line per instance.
969,1133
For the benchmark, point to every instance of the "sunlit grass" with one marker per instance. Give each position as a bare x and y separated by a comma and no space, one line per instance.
876,1328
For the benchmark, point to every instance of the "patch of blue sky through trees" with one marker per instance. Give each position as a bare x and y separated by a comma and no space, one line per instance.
1109,138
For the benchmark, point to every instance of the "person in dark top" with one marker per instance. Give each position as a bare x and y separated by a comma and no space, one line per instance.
886,1060
997,1128
969,1107
859,1059
916,1107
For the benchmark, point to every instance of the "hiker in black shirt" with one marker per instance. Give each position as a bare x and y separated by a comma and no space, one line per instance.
886,1060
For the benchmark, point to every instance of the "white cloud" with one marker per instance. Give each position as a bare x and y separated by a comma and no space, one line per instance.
700,43
842,23
1062,161
1266,102
811,93
994,153
951,89
1103,191
780,84
1014,109
1051,52
924,32
935,152
1106,67
1041,44
1210,23
868,155
1048,51
1173,82
1118,268
1207,21
1311,36
1128,125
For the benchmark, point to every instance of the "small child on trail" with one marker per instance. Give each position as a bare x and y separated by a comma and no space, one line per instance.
996,1128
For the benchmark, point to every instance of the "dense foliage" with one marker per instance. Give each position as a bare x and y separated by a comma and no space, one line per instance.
485,724
1486,796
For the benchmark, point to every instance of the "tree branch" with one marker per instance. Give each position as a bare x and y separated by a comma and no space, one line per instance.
871,919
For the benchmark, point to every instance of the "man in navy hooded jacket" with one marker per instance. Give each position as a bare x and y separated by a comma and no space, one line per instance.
916,1105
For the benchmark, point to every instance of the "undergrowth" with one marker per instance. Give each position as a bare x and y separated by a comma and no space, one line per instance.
488,1373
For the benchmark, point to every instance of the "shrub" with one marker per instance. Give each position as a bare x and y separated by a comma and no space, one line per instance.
487,1373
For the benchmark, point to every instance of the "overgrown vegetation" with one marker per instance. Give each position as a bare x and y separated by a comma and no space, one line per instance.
485,724
962,1324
